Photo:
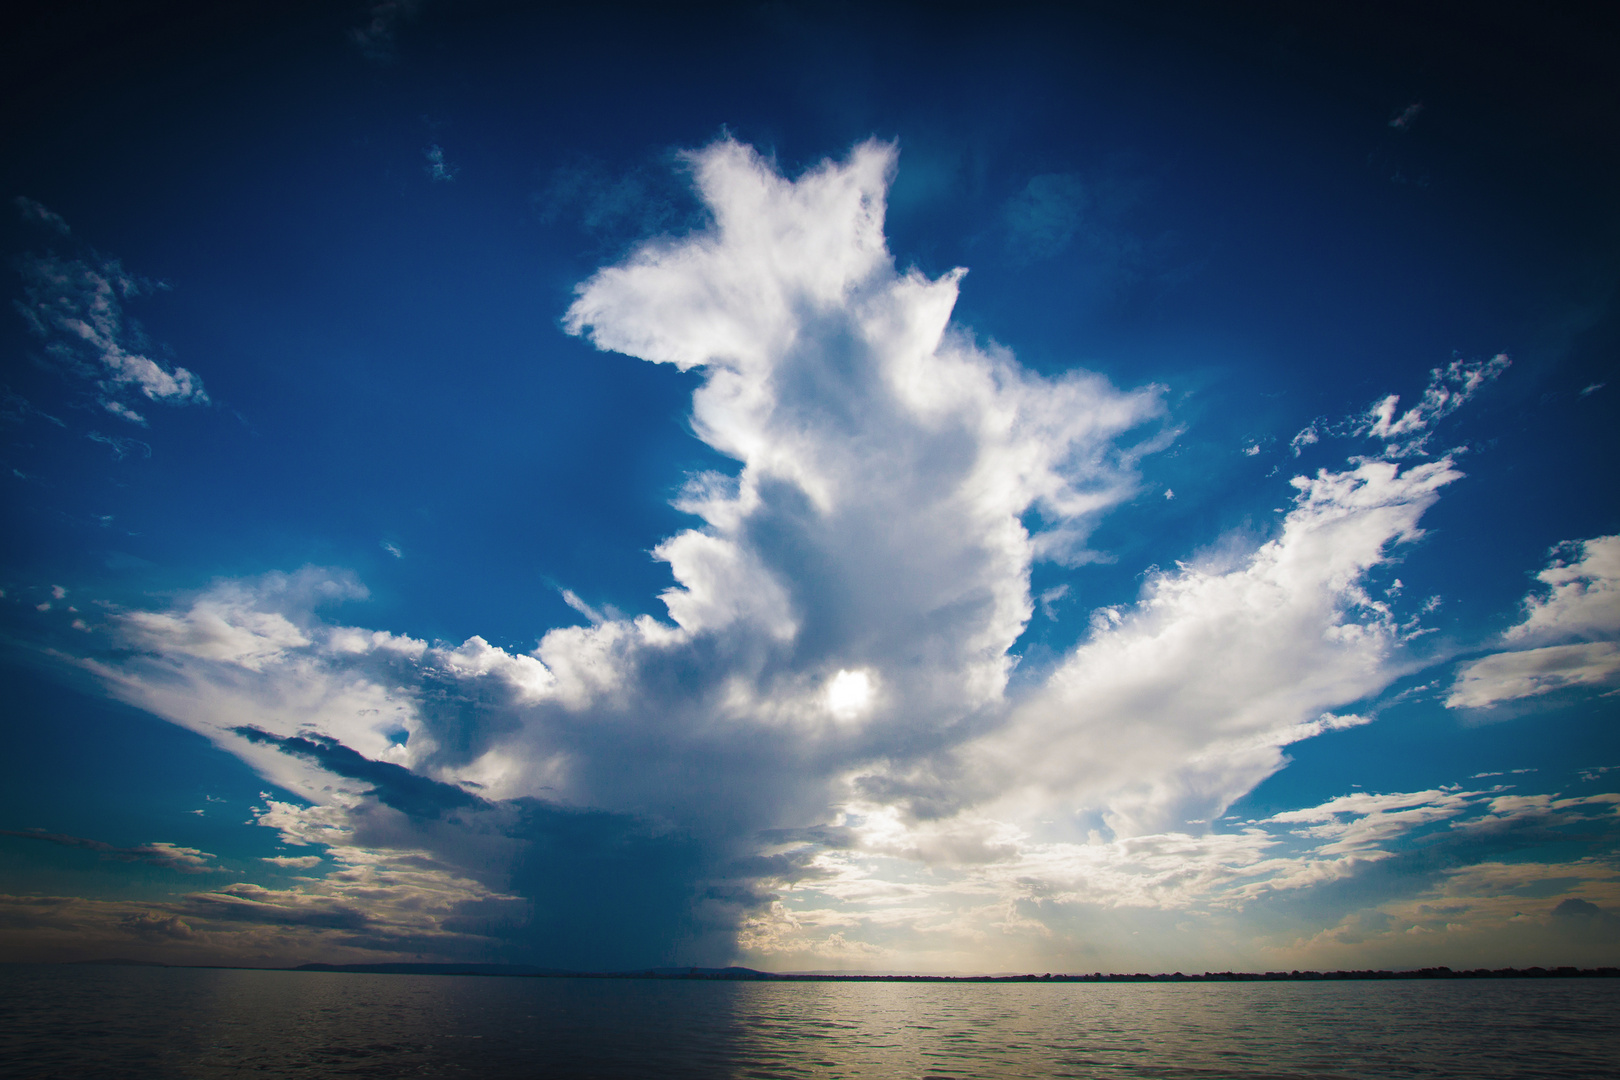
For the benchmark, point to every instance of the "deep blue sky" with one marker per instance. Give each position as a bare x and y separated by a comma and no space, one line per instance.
361,230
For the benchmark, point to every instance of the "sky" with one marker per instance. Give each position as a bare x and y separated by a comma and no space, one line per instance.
930,488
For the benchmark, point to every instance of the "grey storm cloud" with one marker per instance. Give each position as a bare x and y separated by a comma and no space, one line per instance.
393,785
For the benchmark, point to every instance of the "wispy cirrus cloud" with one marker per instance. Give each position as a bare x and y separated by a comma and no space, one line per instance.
1097,215
439,169
75,306
605,203
40,214
1044,217
377,37
1404,119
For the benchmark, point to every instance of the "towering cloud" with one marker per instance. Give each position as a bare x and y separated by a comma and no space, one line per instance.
826,703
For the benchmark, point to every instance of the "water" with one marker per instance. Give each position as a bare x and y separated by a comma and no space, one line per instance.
152,1022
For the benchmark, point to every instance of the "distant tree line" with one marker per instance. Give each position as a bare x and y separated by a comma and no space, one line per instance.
1211,976
742,974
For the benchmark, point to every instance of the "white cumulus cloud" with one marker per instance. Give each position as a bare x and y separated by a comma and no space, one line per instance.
1567,637
1180,703
841,624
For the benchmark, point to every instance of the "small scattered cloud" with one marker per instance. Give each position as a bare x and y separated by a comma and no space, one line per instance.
1050,598
1588,391
605,203
1404,120
1043,219
1450,387
438,167
38,214
1407,434
1095,212
393,549
119,409
1569,636
75,307
1307,436
155,927
293,862
377,37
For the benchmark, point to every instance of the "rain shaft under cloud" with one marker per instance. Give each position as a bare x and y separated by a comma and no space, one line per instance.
825,706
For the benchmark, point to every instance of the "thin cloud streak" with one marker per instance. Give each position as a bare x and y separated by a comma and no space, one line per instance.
169,856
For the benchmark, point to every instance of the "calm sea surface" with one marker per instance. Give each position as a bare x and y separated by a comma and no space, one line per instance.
151,1022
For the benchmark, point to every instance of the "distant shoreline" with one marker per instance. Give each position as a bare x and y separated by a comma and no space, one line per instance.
737,974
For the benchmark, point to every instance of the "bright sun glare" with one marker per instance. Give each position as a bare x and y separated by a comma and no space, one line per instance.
848,694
